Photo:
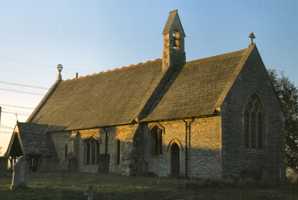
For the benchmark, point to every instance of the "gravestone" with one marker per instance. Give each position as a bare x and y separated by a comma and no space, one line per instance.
19,174
90,193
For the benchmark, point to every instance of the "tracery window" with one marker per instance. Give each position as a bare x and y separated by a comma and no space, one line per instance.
156,138
254,124
91,151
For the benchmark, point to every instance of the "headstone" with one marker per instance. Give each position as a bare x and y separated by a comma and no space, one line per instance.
89,193
19,174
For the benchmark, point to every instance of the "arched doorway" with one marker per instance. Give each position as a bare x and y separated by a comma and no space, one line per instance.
175,160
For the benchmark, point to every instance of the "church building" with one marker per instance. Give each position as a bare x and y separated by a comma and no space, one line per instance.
213,117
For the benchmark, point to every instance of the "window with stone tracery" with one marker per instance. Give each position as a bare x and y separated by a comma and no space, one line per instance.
254,124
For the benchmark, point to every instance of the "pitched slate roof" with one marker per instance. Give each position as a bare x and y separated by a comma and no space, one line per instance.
107,98
34,138
118,97
198,87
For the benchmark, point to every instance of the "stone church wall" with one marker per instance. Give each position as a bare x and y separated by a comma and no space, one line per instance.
75,146
160,164
59,141
125,134
205,152
48,164
267,161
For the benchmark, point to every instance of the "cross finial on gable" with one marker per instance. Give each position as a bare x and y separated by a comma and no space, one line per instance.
59,69
252,37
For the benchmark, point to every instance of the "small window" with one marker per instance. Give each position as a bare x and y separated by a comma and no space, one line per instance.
65,151
118,151
106,142
93,151
97,152
254,124
88,152
156,135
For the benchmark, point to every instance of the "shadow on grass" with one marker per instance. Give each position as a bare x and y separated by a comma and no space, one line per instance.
204,193
64,186
68,194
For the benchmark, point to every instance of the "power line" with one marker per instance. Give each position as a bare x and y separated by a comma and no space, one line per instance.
15,113
20,91
1,131
6,128
23,85
17,106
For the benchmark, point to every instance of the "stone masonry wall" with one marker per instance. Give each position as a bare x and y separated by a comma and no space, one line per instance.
76,146
206,148
204,155
59,140
125,134
122,133
253,79
205,152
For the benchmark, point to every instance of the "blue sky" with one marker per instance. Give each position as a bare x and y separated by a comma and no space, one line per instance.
88,36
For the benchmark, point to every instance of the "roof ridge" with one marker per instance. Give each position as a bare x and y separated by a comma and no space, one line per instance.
114,69
129,66
218,55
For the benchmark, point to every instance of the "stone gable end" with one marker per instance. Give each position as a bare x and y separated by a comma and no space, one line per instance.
252,80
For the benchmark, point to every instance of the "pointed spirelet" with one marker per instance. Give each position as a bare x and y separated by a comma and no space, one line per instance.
173,42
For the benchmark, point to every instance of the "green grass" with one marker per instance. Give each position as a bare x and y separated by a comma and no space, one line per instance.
66,186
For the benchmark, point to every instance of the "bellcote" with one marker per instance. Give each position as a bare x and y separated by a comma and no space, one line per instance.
173,42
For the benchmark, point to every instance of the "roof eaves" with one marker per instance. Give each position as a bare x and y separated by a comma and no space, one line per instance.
180,118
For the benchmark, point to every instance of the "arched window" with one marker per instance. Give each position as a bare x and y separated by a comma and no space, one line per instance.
118,151
176,39
156,139
65,151
254,124
91,151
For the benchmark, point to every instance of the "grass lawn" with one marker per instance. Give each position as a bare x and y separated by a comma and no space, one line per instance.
58,186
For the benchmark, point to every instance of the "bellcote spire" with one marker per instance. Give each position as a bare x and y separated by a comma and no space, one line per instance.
173,42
